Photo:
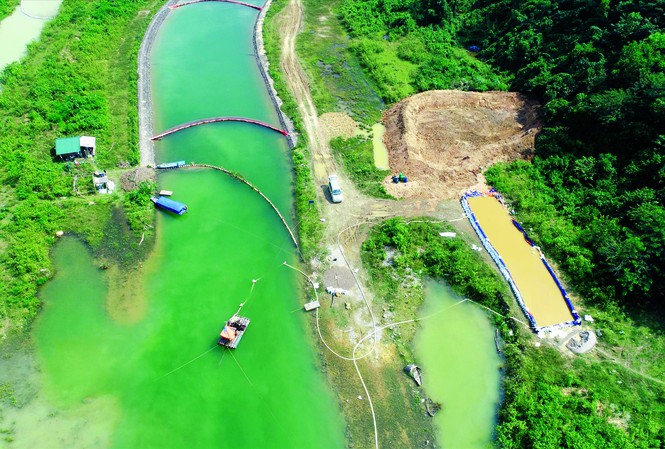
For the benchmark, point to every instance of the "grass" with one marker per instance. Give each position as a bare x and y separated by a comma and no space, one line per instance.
357,156
79,78
552,398
337,80
310,228
7,7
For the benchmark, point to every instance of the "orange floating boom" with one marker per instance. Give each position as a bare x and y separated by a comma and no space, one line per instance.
224,1
216,120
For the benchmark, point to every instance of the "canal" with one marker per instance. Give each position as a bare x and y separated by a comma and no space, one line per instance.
153,376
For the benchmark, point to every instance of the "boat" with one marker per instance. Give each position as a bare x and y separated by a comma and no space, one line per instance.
233,331
165,192
415,372
168,165
168,204
312,305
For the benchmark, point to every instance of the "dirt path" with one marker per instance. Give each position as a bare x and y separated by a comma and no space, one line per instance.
356,206
290,25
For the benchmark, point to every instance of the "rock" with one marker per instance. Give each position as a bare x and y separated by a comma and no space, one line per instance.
60,233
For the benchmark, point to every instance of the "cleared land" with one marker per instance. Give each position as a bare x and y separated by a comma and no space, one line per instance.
540,293
443,140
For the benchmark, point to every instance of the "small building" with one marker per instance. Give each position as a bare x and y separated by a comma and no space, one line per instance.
67,148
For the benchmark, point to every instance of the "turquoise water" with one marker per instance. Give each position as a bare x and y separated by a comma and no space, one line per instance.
460,368
161,381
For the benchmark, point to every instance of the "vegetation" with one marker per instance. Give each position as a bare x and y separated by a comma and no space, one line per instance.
310,228
73,81
550,400
7,7
599,70
337,80
410,46
357,155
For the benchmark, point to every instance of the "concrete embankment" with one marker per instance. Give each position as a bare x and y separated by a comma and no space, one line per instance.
264,65
147,146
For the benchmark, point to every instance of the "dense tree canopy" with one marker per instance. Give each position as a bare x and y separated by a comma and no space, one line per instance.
599,69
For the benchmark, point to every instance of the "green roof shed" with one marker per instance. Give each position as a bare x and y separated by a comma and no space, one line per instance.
67,145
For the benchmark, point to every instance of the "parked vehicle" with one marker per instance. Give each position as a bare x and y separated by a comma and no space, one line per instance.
335,190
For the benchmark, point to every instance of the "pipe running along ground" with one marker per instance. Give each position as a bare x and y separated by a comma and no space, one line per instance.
35,17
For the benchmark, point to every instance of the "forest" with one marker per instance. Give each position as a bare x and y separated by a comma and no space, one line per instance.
598,69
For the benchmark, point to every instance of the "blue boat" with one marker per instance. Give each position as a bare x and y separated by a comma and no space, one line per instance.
168,204
168,165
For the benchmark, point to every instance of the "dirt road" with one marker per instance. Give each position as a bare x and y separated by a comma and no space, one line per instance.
290,25
356,206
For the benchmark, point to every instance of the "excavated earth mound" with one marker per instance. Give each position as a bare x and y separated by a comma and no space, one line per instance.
443,140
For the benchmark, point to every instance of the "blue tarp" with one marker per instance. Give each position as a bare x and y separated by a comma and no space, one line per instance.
170,205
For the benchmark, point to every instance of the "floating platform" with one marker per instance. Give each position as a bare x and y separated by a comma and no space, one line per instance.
233,331
312,305
169,205
169,165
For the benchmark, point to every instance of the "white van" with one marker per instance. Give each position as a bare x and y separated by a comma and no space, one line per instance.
335,191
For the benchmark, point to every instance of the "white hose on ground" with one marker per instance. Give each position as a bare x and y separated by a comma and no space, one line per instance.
318,328
362,381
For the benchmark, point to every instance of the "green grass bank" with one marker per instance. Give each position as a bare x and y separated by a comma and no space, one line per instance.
79,78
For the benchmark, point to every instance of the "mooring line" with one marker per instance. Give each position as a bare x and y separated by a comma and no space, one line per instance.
242,370
185,364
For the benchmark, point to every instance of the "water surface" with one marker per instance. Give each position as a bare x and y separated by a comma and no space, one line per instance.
19,29
456,349
160,380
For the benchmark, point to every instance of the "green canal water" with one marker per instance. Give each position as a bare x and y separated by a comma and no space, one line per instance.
159,380
460,368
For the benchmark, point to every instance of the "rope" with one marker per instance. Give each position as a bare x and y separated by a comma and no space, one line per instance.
355,362
185,364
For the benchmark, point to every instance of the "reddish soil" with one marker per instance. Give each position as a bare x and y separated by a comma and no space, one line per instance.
443,140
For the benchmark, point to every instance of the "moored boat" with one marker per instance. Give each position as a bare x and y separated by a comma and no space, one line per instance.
415,372
169,205
233,331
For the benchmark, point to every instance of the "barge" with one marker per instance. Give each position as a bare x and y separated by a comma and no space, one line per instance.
233,331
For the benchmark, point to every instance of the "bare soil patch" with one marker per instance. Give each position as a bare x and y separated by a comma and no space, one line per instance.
337,124
443,140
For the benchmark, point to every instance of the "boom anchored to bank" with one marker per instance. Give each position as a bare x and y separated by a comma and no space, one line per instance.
217,120
539,292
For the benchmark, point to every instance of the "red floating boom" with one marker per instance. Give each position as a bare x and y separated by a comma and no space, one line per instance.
191,2
215,120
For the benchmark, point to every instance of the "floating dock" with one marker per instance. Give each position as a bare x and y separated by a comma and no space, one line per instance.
233,331
169,205
170,165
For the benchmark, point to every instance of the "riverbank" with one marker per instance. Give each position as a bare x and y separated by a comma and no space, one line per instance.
568,379
146,145
37,197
